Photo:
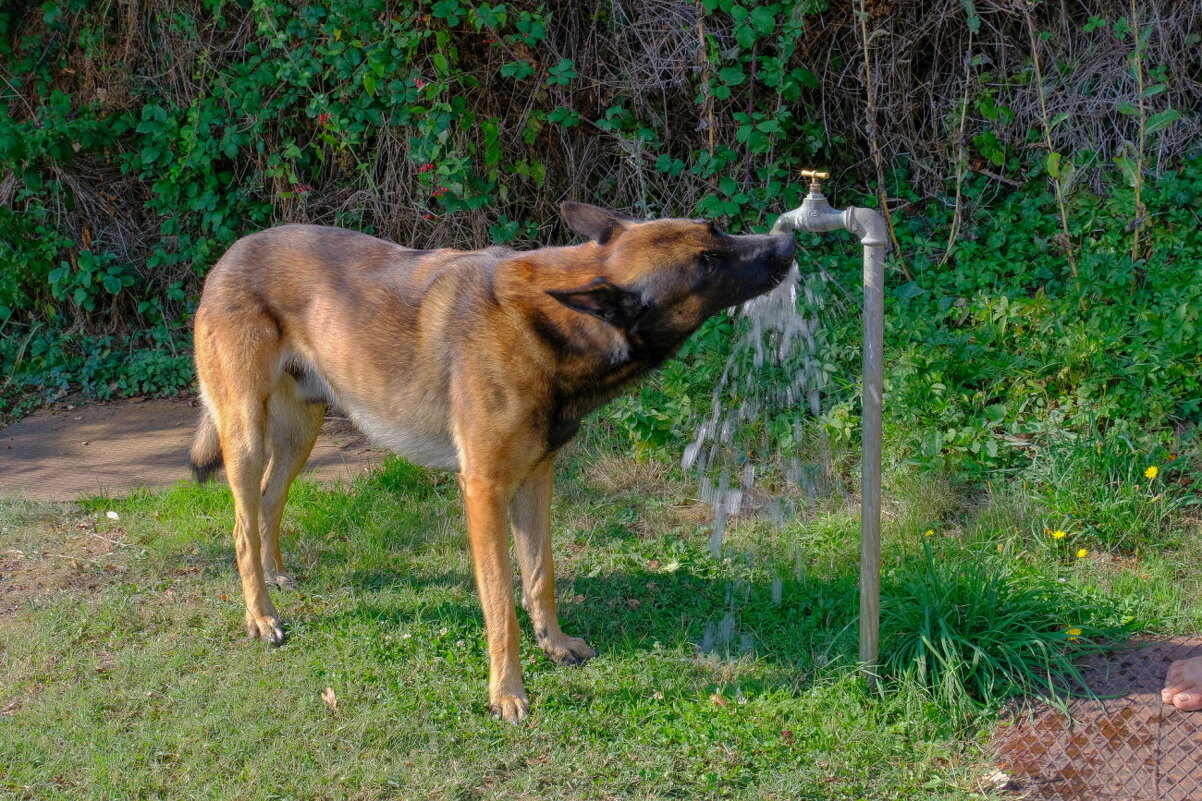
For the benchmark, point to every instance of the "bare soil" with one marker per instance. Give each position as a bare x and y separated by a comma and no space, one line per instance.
66,452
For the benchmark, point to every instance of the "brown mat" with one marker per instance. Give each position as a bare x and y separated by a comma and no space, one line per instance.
64,453
1127,748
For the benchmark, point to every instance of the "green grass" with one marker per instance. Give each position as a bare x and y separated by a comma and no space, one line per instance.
124,673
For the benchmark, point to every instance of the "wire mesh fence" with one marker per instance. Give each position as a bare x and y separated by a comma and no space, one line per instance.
1123,745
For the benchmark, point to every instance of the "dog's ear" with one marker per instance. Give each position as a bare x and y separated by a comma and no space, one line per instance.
594,222
600,298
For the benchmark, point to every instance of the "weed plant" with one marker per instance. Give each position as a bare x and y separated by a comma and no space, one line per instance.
1108,490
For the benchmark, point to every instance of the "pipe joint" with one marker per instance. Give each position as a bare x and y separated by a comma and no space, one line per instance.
816,215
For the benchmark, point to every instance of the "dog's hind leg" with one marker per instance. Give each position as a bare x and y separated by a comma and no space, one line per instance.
238,363
292,427
530,516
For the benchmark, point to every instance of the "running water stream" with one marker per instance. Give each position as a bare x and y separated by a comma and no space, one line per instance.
747,453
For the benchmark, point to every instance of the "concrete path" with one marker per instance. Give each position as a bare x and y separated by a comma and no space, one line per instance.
64,452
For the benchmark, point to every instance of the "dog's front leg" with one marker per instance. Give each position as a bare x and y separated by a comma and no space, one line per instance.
531,516
485,500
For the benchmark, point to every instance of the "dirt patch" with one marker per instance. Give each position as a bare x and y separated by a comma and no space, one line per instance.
1127,746
65,453
70,555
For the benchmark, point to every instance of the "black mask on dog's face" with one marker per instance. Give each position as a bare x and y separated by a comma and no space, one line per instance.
662,279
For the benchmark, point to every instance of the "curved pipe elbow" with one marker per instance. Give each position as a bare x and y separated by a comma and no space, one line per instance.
868,225
816,215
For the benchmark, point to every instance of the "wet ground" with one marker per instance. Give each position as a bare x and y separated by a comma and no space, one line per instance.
64,452
1124,746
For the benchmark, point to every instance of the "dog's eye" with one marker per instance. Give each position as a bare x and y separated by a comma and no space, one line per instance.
710,261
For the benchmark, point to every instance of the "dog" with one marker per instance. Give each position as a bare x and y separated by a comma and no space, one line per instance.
484,362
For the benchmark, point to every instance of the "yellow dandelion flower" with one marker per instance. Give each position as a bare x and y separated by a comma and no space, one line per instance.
1081,554
1073,633
930,532
1152,472
1058,534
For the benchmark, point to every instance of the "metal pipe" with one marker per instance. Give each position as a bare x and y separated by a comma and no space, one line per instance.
815,214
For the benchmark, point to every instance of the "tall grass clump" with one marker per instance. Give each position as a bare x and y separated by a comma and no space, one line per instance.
972,630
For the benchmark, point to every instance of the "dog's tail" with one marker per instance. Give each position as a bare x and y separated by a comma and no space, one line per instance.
205,455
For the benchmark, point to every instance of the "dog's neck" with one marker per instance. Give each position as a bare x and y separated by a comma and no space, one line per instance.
594,359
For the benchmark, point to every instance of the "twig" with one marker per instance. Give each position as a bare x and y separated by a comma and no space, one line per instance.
1138,63
118,543
74,558
1067,244
874,145
961,153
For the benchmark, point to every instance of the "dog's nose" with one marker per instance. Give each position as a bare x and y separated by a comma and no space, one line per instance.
782,246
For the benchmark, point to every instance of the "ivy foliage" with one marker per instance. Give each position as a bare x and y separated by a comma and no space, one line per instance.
141,140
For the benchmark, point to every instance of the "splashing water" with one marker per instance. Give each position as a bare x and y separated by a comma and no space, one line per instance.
747,451
754,427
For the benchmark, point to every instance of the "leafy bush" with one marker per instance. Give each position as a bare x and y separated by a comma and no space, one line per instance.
138,146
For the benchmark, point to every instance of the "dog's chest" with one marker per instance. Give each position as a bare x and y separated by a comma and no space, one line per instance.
422,447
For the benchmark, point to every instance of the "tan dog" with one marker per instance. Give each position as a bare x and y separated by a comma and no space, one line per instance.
482,362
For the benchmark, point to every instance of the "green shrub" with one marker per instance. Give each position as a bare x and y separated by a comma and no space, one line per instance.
138,147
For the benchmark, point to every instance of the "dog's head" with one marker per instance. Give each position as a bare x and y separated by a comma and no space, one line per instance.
662,279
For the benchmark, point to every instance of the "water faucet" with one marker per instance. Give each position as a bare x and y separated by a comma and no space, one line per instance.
815,214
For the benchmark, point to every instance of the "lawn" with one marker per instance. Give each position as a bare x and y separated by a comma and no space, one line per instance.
126,674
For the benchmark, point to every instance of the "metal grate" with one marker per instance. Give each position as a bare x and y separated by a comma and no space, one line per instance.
1124,746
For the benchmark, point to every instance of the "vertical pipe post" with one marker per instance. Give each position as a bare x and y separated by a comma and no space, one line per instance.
870,469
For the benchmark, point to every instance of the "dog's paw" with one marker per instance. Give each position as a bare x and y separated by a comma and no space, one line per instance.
264,627
509,707
565,650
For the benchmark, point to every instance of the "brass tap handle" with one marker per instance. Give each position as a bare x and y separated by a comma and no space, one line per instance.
815,176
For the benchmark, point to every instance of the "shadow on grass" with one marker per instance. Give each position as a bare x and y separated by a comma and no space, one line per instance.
810,623
383,538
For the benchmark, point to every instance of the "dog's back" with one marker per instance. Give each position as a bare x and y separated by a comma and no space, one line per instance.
330,316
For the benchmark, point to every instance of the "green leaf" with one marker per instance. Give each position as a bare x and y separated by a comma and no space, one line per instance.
1128,108
492,148
1161,120
974,19
1130,171
764,19
1054,165
516,69
731,76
